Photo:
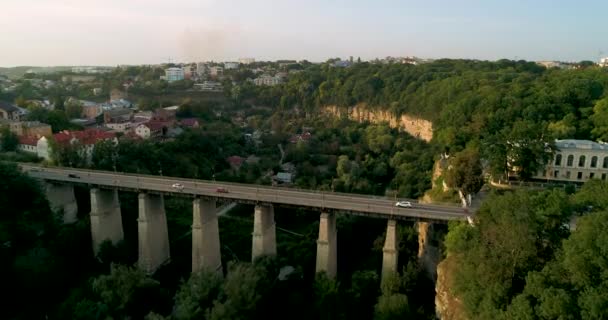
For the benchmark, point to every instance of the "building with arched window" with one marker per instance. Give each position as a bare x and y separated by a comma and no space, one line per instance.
584,160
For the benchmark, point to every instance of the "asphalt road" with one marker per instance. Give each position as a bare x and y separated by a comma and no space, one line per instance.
238,192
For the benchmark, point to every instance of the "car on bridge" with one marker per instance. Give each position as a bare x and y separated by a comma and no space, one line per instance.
221,190
73,176
178,186
404,204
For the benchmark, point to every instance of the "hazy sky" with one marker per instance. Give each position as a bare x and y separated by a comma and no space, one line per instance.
110,32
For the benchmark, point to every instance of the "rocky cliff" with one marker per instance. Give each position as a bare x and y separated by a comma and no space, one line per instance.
447,305
417,127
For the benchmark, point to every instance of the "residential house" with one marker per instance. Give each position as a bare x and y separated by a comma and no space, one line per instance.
209,86
151,129
283,178
304,137
267,80
216,71
190,123
577,161
28,144
86,138
9,111
246,60
174,74
117,115
92,112
30,128
235,162
231,65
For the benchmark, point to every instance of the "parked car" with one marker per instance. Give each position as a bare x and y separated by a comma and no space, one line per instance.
178,186
71,175
403,204
221,190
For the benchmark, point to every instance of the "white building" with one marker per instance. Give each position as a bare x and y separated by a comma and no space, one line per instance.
604,62
246,60
231,65
266,80
577,161
216,71
209,86
174,74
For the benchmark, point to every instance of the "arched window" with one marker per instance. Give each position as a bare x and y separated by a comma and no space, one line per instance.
581,161
570,160
605,166
558,160
593,162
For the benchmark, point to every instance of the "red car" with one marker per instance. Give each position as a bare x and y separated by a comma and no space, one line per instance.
221,190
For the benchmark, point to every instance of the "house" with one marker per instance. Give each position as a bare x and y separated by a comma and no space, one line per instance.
304,137
151,129
9,111
577,161
28,144
92,112
86,138
209,86
235,162
283,178
190,123
231,65
216,71
117,115
174,74
30,128
266,80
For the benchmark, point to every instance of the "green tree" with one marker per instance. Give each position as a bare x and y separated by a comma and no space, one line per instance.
8,139
600,120
196,296
465,174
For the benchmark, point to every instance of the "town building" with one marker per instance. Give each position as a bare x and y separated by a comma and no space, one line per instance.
30,128
209,86
93,70
9,111
246,60
174,74
28,144
216,71
190,123
604,62
577,161
76,78
86,138
266,80
201,69
117,115
231,65
92,112
150,129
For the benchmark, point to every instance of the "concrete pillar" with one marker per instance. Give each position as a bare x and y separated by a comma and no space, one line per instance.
152,232
264,242
205,237
61,198
327,245
390,252
429,254
106,218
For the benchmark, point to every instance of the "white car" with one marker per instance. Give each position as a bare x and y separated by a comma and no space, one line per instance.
178,186
403,204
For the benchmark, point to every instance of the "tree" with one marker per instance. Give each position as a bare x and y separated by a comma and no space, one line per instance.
126,291
465,174
196,296
73,109
600,120
8,140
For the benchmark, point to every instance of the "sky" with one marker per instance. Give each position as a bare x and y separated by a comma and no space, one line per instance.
112,32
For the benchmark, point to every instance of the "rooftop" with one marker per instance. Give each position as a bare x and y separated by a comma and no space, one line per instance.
581,144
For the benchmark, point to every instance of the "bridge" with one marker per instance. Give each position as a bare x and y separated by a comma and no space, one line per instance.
106,220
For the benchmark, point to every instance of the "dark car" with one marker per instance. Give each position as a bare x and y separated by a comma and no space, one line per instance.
221,190
71,175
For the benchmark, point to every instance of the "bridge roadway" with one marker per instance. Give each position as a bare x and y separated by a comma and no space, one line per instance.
249,193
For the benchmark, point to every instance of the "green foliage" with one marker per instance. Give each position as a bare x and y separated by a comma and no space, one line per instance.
8,140
465,172
196,296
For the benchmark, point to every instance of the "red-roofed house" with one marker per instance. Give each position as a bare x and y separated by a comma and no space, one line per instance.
28,144
305,137
87,138
235,162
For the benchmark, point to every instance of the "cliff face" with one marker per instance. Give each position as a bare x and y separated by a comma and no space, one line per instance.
419,128
447,306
